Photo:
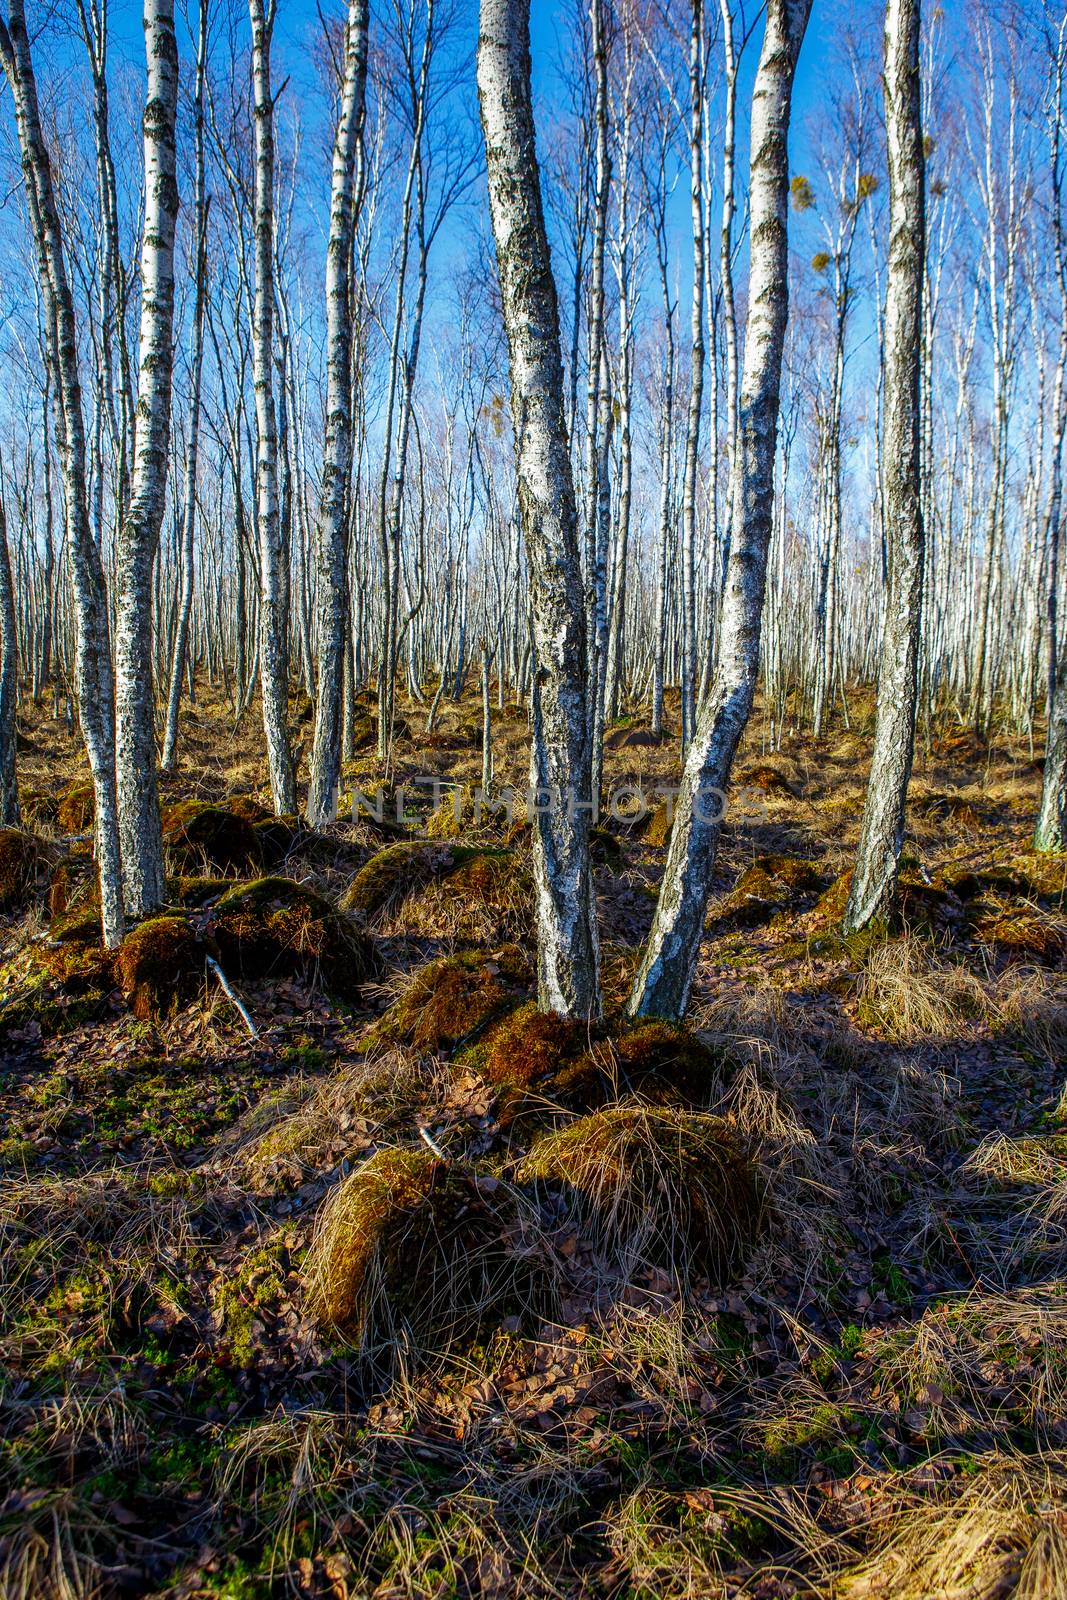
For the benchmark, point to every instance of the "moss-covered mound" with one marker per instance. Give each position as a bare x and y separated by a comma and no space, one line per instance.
160,966
402,870
38,807
411,1254
77,807
19,858
275,927
198,834
654,1184
918,904
448,999
770,779
1020,932
249,807
768,886
657,826
537,1057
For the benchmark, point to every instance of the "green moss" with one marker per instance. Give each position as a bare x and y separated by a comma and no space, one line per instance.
401,870
198,834
274,926
77,807
160,966
258,1286
455,996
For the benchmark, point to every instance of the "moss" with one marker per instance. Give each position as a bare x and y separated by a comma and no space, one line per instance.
657,829
448,999
664,1062
273,926
657,1184
277,838
77,807
198,834
1020,932
412,1253
38,807
530,1046
364,732
400,870
258,1286
160,966
250,808
770,779
19,858
196,892
969,881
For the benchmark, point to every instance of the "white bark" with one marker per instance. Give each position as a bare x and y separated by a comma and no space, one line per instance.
665,976
331,552
568,956
273,616
138,538
882,833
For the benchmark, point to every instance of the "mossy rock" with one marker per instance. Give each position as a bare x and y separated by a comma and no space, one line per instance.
249,807
19,862
413,1254
160,966
273,927
654,1184
77,807
451,998
198,833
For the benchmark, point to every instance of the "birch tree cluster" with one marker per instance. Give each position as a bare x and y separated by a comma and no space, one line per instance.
394,348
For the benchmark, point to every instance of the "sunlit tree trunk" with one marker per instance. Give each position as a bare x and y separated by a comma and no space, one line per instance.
273,617
185,603
665,976
568,958
138,537
92,651
331,551
882,833
9,683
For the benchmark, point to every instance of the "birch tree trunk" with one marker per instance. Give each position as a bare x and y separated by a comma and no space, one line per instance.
273,618
9,683
568,956
331,552
185,605
882,833
138,538
665,977
92,648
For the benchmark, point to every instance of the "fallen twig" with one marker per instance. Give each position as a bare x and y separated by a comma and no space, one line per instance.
229,992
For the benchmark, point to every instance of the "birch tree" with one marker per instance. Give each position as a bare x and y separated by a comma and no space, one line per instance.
337,461
135,746
92,644
273,618
665,975
882,832
9,681
568,956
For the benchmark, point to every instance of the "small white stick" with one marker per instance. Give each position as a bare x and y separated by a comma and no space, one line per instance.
434,1146
226,989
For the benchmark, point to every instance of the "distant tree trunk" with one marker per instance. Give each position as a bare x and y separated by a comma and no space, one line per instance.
331,552
185,604
665,976
1050,835
9,684
138,536
696,376
273,618
568,956
882,834
92,651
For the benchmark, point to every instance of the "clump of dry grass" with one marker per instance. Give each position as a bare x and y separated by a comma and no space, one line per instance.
912,995
1002,1531
412,1253
655,1184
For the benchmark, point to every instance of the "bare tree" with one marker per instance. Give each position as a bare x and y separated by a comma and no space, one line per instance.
332,559
9,681
568,956
882,834
665,976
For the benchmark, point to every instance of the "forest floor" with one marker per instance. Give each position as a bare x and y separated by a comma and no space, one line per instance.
859,1387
